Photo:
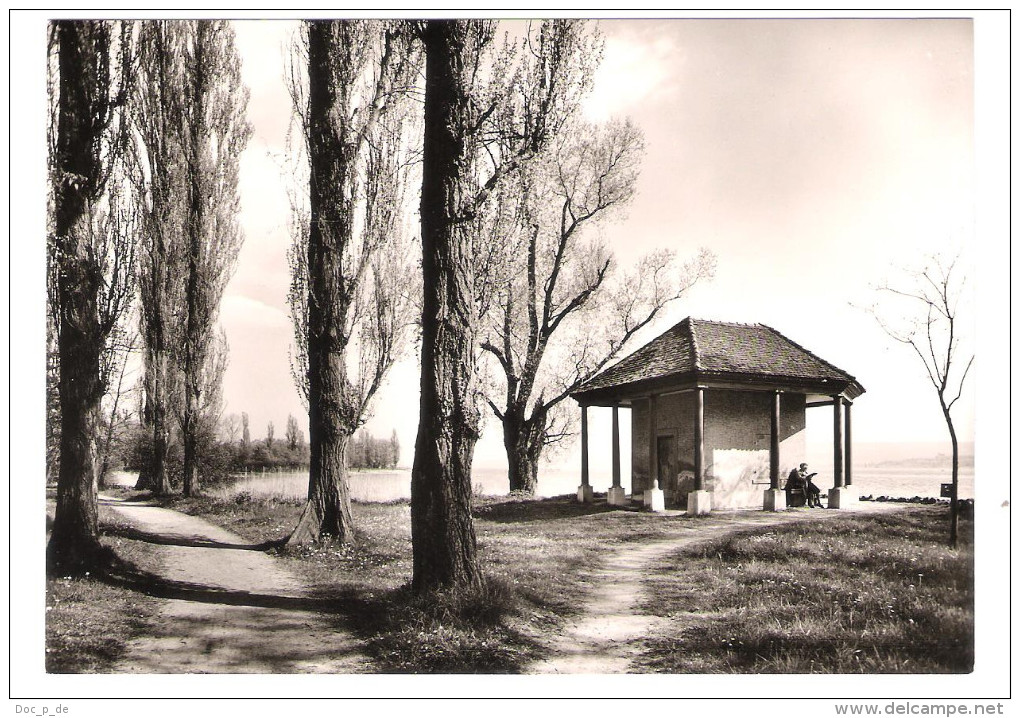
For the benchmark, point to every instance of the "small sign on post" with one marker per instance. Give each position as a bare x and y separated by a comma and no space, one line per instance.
947,491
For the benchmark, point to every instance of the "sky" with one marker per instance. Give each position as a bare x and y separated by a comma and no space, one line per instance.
816,158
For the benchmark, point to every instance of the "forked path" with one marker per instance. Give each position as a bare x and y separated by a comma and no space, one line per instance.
230,608
609,635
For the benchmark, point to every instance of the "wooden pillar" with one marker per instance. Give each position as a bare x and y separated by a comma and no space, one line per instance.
616,445
837,441
653,448
846,452
774,443
584,446
699,439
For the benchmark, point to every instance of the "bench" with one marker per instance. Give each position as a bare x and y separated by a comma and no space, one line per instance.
796,497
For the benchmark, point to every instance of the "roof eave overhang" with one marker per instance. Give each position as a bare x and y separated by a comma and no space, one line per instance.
625,393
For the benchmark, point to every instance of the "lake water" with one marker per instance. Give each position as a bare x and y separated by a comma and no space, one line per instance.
901,480
392,485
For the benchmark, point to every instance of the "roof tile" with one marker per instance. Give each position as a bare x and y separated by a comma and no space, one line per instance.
700,347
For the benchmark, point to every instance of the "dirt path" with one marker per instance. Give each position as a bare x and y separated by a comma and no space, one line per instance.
232,608
609,635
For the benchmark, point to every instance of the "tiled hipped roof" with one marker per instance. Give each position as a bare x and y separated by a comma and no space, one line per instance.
707,349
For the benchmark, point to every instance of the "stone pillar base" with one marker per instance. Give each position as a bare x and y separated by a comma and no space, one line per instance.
699,503
842,497
617,496
655,499
585,494
774,500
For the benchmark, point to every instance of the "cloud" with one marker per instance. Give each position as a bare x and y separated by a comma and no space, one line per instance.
635,67
245,313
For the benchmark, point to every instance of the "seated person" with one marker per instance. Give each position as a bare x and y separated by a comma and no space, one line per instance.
800,479
813,492
795,485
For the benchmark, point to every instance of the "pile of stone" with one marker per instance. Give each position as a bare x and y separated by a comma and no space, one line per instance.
966,505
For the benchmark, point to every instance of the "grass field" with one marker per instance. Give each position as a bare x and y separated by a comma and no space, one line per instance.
856,593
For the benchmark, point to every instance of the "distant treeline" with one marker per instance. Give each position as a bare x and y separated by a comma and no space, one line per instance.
221,458
368,452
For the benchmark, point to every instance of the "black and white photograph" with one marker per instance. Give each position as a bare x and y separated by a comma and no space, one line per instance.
377,355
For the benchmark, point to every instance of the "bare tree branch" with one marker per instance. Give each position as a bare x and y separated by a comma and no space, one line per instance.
559,296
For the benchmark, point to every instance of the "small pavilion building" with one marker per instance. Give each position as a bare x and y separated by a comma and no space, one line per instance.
718,416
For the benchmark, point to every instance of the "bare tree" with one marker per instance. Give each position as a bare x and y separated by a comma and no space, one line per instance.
350,262
922,313
217,132
270,435
560,315
120,355
92,288
476,134
232,428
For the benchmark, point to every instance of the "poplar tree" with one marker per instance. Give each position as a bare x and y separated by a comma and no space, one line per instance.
191,130
217,133
160,171
89,253
477,133
351,268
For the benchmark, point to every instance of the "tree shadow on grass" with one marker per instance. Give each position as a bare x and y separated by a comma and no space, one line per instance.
135,534
398,631
473,631
142,498
118,572
242,631
549,509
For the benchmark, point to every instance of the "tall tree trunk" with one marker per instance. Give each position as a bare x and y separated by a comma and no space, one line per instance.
104,464
192,370
195,329
523,471
328,510
155,476
104,451
104,467
74,546
192,350
189,436
160,479
523,441
954,503
442,530
331,418
144,481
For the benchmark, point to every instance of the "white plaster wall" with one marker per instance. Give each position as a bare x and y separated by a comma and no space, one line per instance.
737,436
